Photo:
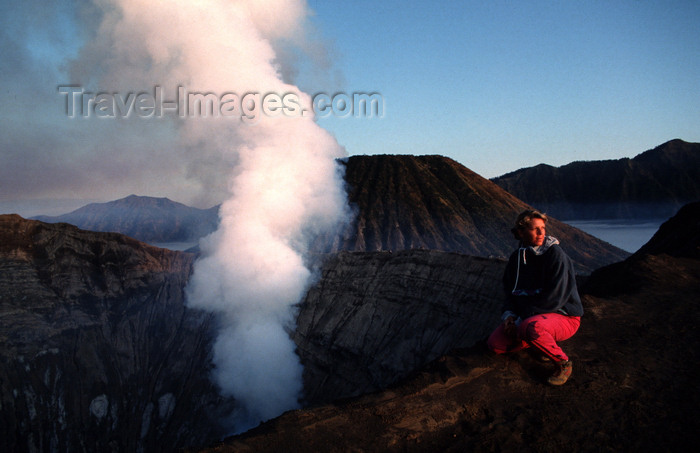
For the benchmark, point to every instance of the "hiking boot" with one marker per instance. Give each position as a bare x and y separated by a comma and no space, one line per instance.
561,374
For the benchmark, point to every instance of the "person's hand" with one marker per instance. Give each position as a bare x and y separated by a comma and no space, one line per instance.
509,327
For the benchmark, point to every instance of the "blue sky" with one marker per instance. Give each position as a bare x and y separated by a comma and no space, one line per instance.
495,85
504,85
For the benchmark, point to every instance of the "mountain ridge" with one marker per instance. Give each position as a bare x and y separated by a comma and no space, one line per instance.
653,184
401,202
433,202
148,219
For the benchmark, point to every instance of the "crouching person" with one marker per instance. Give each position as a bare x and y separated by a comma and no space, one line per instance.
543,305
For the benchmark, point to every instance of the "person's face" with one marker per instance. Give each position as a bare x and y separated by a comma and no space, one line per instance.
532,235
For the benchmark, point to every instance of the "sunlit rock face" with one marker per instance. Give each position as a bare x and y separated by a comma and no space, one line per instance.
99,352
377,316
405,202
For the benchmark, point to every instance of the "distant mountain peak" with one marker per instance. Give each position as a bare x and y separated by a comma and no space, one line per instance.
432,202
653,184
402,202
149,219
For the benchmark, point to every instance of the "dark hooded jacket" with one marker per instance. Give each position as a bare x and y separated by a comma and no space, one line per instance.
541,280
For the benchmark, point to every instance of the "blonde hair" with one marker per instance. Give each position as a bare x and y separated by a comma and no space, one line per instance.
524,219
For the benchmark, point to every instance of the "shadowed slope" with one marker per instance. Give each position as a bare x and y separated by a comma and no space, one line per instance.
679,236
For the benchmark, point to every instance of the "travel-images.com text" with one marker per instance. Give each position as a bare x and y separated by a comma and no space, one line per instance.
248,108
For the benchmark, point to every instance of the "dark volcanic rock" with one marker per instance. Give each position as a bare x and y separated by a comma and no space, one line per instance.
376,317
98,351
153,220
432,202
636,359
679,236
654,184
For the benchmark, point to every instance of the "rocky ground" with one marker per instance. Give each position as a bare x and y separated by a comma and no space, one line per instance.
375,317
98,350
634,386
100,353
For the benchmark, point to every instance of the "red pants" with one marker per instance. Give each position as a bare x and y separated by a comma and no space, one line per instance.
540,331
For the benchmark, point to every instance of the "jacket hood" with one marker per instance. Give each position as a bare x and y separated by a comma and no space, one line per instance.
540,249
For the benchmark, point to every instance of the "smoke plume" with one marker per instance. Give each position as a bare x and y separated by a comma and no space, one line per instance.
279,173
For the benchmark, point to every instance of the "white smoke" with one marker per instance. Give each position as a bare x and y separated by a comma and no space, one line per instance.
286,191
281,176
